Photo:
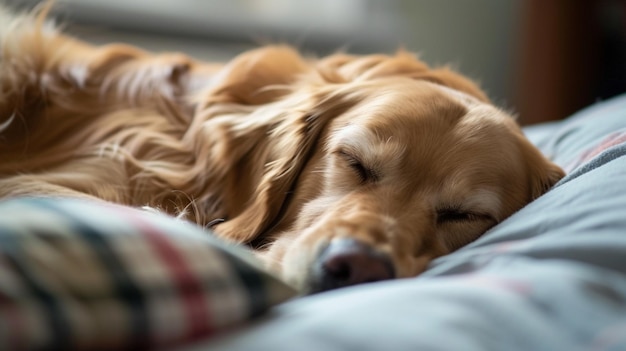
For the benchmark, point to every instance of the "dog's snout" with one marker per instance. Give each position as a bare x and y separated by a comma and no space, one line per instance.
346,262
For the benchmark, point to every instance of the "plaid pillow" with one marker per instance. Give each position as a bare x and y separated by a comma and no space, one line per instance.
85,275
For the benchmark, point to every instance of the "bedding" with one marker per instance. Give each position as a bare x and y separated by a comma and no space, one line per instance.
551,277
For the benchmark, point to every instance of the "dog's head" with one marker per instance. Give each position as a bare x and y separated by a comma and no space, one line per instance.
360,169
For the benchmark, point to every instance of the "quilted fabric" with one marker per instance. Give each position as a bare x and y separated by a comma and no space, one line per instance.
85,275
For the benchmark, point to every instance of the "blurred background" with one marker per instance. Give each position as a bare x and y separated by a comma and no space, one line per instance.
541,59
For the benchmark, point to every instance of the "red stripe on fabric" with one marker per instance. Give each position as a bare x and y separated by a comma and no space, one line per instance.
189,287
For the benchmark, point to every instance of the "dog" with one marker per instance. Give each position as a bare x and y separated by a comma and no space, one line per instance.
336,171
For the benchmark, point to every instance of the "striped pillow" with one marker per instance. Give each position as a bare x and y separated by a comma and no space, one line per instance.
86,275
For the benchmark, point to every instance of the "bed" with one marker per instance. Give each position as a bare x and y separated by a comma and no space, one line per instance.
81,275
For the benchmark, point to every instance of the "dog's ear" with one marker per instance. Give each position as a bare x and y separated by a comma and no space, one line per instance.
542,173
288,145
342,68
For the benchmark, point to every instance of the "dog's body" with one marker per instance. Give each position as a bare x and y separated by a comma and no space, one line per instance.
338,171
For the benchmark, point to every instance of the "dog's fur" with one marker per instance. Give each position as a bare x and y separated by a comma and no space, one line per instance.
292,153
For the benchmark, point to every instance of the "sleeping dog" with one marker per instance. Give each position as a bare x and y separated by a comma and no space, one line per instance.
336,171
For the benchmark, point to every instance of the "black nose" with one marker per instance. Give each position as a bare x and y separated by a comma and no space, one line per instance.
346,262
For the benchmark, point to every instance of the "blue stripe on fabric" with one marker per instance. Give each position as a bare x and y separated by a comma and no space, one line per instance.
252,281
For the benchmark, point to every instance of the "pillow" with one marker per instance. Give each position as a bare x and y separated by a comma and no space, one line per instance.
76,274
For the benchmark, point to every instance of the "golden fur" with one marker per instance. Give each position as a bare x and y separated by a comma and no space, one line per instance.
290,152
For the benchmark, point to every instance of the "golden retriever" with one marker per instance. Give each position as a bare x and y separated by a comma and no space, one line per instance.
337,171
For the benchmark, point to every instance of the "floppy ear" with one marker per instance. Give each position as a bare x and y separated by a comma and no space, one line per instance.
302,116
542,173
543,176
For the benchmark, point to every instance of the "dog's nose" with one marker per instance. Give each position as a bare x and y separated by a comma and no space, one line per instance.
346,262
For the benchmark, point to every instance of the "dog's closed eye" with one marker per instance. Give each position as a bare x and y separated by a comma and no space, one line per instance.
449,215
364,173
455,223
452,215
